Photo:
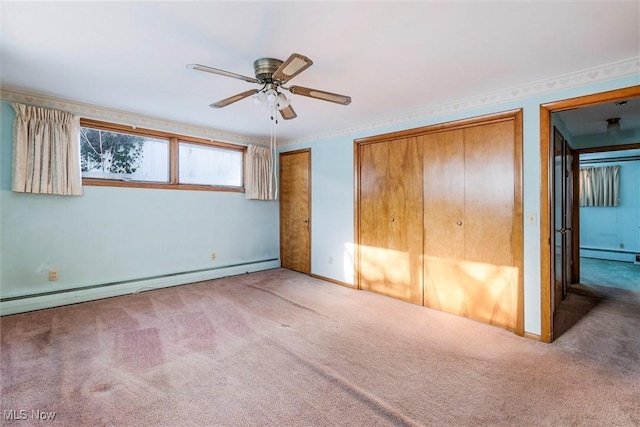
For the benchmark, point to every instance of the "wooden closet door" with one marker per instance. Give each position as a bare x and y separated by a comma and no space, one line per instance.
444,187
390,221
295,210
469,264
490,271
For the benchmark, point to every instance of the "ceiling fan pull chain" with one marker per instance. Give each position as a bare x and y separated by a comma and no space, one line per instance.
273,153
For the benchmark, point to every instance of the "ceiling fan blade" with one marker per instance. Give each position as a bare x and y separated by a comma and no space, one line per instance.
290,68
233,99
222,73
288,113
320,94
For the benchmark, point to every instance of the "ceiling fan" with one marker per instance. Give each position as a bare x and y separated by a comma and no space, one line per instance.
272,74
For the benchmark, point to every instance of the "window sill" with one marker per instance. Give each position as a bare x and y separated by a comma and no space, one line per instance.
94,182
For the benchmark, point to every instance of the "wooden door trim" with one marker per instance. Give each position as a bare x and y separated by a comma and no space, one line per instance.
356,214
575,219
546,157
309,204
518,217
440,127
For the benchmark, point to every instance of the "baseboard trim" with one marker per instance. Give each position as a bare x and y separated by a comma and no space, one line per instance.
337,282
531,336
25,303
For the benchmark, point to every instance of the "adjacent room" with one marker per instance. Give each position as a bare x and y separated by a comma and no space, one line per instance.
320,213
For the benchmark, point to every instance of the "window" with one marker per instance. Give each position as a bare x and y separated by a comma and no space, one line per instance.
600,186
117,155
201,164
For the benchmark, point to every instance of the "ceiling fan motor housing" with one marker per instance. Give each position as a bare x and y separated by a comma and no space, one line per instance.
265,67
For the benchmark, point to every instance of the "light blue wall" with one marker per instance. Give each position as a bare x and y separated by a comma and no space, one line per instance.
333,192
332,211
114,234
613,231
175,231
624,137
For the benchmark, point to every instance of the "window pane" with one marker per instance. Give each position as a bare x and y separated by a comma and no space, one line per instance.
201,164
114,155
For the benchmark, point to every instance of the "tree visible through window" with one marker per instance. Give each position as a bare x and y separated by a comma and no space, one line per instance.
114,155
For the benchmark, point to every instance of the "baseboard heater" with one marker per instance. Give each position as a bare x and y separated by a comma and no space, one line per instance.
125,282
615,251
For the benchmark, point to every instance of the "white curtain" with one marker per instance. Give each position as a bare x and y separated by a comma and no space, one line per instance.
259,179
600,186
46,151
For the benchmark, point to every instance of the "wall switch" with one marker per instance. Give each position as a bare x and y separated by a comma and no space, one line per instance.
531,218
213,256
53,275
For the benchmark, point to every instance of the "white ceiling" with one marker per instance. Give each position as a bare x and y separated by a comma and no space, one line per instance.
390,57
592,120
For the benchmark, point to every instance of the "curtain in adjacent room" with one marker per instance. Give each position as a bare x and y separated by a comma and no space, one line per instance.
600,186
46,151
259,181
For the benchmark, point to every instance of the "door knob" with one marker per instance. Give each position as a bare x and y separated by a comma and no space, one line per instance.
459,223
305,220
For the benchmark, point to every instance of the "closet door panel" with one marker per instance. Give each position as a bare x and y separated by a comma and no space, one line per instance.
390,223
443,154
489,214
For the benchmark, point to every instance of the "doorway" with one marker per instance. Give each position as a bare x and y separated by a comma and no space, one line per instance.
615,228
605,277
560,213
295,210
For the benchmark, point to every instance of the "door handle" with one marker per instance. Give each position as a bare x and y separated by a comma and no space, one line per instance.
306,220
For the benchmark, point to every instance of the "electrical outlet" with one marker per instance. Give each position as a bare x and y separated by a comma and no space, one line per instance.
213,256
53,275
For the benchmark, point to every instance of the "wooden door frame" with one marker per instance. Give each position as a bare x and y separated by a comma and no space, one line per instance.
300,151
546,162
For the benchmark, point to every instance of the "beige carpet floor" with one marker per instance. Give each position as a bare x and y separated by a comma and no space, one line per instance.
278,348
